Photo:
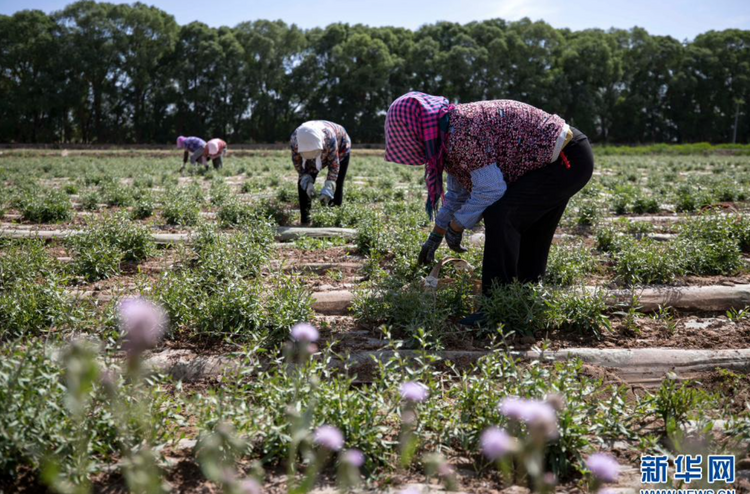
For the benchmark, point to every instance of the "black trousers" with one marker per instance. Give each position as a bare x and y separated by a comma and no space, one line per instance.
338,196
519,227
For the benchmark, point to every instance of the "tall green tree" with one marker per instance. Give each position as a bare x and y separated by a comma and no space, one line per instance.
89,36
589,69
145,38
711,91
643,111
32,77
195,66
277,85
103,72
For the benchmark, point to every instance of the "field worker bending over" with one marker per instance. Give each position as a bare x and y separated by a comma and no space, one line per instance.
509,162
216,149
318,144
195,149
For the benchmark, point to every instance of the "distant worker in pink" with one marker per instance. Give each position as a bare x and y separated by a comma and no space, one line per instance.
216,150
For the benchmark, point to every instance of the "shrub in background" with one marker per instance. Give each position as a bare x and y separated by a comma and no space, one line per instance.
647,262
26,260
144,206
45,206
569,264
28,307
181,207
527,309
90,201
104,244
116,194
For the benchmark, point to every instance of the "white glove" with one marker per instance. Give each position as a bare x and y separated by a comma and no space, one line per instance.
308,185
326,195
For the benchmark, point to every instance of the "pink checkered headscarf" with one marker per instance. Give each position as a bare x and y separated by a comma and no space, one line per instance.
413,137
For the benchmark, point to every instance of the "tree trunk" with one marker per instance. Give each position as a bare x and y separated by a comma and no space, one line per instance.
736,122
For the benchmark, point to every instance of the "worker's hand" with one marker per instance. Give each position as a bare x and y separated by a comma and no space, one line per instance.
453,238
326,195
427,254
308,184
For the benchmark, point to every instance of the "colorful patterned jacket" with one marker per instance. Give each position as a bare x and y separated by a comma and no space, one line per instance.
518,137
337,146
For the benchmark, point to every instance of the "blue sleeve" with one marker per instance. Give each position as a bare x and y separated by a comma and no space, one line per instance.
455,197
487,186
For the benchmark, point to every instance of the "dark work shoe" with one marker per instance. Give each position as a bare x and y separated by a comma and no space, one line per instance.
475,320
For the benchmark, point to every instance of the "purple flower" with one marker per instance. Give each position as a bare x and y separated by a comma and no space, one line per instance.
143,324
603,467
249,486
353,457
513,407
414,392
539,415
496,443
329,438
305,332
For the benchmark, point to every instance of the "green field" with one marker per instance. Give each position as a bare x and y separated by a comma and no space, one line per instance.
80,233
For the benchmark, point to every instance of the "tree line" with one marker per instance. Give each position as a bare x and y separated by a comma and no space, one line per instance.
105,73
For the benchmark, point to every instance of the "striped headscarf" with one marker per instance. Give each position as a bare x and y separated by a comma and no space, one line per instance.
413,137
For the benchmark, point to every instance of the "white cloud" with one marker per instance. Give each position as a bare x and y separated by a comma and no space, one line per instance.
518,9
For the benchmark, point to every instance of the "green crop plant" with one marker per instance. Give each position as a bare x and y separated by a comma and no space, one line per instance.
234,213
220,192
706,257
674,402
28,307
106,243
144,206
271,209
577,312
344,217
605,238
90,201
25,260
569,264
222,257
647,262
130,238
45,206
410,308
589,213
94,258
643,205
181,207
236,310
716,227
518,307
527,309
116,194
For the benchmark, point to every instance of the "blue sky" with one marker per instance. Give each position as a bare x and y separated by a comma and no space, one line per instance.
681,19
